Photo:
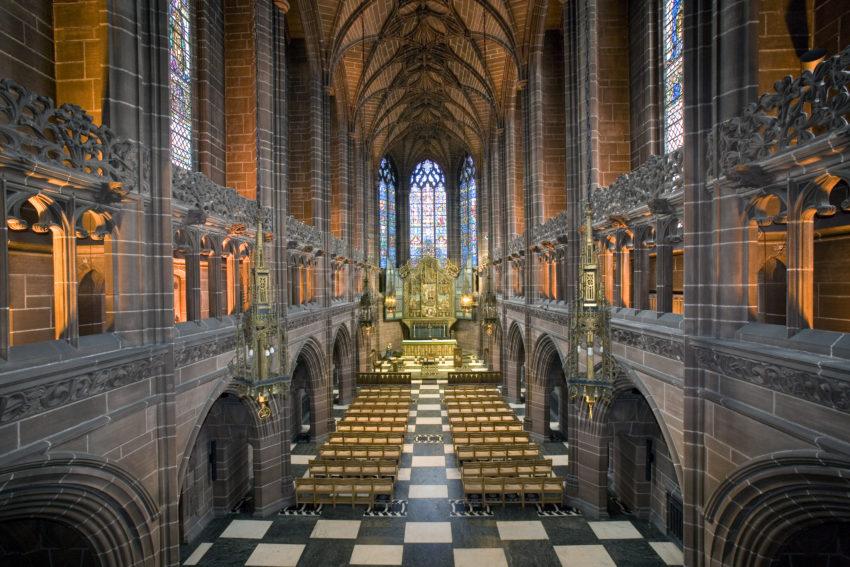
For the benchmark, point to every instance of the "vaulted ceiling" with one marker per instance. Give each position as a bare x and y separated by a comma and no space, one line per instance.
425,78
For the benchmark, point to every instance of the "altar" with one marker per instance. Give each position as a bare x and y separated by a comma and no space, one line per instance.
433,348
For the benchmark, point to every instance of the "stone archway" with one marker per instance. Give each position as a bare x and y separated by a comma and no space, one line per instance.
217,479
625,449
547,404
111,512
515,375
309,400
761,507
343,373
642,472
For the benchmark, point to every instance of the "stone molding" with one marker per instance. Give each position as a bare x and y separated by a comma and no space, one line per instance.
554,230
655,184
800,110
205,197
33,400
189,354
34,131
303,236
821,389
661,346
304,319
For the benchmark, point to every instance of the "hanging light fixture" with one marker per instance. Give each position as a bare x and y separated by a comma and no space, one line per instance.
590,327
389,297
366,310
488,308
260,363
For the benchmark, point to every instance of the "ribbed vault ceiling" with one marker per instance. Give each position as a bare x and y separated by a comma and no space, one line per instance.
425,78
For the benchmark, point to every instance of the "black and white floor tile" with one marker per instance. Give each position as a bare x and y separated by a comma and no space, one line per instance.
431,532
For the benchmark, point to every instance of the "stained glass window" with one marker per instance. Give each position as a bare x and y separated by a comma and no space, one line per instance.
468,214
428,231
180,82
386,212
674,73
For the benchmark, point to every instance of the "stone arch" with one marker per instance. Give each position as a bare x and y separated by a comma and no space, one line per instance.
628,379
514,372
97,498
646,471
548,375
344,363
262,437
766,502
309,391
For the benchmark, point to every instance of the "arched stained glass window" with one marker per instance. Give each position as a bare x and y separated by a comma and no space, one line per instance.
180,81
468,214
674,74
386,212
428,234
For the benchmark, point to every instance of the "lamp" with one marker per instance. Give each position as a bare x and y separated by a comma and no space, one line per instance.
467,300
366,314
390,302
589,325
389,295
488,309
260,362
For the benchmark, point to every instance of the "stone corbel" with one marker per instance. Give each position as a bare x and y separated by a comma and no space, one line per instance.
110,193
660,206
196,217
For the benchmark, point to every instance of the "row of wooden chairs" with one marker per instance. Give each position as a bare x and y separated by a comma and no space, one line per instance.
499,489
497,452
468,388
370,452
495,407
335,491
370,438
473,398
382,419
353,468
348,427
535,468
377,411
383,390
391,400
492,427
491,438
459,418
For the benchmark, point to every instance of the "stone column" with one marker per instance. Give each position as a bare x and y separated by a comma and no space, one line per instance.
663,269
587,483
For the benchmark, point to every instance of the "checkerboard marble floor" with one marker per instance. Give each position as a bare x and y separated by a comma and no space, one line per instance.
429,535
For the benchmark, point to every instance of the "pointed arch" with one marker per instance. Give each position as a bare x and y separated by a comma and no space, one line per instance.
769,500
428,218
96,497
344,364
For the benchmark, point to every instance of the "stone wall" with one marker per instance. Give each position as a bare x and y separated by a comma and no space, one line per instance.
209,91
241,95
26,44
554,138
300,128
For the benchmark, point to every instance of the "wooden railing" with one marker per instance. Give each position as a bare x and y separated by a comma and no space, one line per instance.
381,378
475,377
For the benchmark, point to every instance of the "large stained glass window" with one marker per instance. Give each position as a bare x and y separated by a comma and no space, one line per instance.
428,234
386,212
674,73
180,82
468,214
